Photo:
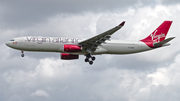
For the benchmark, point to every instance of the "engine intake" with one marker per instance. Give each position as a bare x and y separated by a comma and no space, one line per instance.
72,48
65,56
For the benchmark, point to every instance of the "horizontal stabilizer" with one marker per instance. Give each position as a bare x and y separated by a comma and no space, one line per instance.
163,42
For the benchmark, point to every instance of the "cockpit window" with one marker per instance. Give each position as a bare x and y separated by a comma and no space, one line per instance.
12,40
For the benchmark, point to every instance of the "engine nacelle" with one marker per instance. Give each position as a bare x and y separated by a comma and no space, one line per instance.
72,48
65,56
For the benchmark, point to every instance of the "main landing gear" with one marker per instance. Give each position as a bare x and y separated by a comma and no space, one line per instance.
89,59
22,55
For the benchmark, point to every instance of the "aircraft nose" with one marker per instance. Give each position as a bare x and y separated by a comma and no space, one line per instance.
7,44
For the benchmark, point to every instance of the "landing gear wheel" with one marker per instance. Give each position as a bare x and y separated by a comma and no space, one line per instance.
90,62
86,60
22,55
89,58
93,58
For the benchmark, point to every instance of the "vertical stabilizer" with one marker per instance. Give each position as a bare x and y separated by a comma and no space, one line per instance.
158,35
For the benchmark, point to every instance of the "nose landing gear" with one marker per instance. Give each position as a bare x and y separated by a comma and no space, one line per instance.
89,59
22,55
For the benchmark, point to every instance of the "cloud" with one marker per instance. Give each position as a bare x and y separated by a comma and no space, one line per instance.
67,78
40,93
166,2
22,14
166,75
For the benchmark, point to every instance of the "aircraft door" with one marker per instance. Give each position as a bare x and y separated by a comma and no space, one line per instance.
140,45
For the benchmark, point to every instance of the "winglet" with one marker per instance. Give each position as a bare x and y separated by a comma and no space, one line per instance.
122,24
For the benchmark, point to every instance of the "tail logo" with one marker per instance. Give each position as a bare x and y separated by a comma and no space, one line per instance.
156,38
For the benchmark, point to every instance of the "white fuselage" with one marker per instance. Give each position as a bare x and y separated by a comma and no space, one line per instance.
56,44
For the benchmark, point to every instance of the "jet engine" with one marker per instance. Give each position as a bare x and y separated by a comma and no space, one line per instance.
72,48
65,56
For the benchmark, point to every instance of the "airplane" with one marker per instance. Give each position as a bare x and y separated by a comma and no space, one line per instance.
71,48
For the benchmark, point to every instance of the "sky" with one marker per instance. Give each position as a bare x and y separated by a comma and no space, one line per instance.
148,76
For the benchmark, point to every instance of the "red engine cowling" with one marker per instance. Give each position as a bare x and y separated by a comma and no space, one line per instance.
72,48
65,56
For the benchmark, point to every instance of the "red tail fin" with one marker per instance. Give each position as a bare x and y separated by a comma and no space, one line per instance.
159,34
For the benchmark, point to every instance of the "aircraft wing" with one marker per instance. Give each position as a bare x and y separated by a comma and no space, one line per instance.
95,41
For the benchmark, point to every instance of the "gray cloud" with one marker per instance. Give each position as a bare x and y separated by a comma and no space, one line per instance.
167,2
57,80
26,13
